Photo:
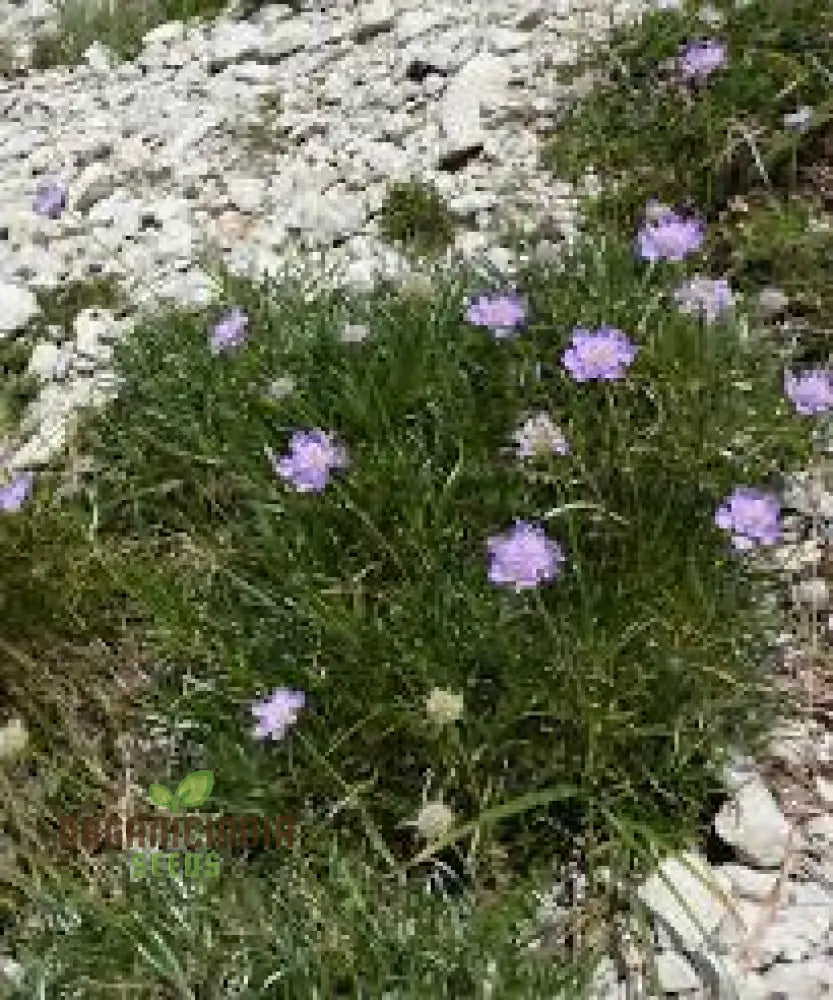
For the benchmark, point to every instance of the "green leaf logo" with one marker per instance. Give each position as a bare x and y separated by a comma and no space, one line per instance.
160,796
195,788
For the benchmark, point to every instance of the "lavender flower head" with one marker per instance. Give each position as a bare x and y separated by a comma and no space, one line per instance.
278,712
523,557
51,198
705,298
752,516
502,314
14,494
540,436
811,391
312,455
603,355
669,237
230,331
700,59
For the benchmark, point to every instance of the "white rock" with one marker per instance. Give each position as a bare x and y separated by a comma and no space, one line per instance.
18,306
503,40
165,34
808,980
11,969
247,193
99,58
13,738
674,973
790,932
320,219
96,183
481,85
820,831
685,894
752,823
813,592
44,360
750,883
374,18
605,984
824,788
92,328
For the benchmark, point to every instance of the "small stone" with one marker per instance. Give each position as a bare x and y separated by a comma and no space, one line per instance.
13,738
680,895
772,301
813,592
18,307
753,824
674,973
824,788
354,333
820,832
91,328
44,360
749,883
374,19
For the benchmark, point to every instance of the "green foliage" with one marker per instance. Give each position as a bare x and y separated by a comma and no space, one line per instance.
375,592
122,27
656,137
415,216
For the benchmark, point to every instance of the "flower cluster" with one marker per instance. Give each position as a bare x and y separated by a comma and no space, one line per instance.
15,493
523,557
700,59
705,298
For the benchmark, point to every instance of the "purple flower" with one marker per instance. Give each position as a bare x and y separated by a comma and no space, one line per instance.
670,237
540,436
51,198
312,454
230,331
15,494
705,298
811,391
601,355
278,712
523,557
752,516
701,59
503,314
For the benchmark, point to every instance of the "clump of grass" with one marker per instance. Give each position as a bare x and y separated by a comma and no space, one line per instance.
656,137
17,387
720,143
784,243
121,26
263,134
60,305
415,217
376,592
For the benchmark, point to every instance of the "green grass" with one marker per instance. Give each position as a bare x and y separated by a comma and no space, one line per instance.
184,581
120,26
651,137
414,217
